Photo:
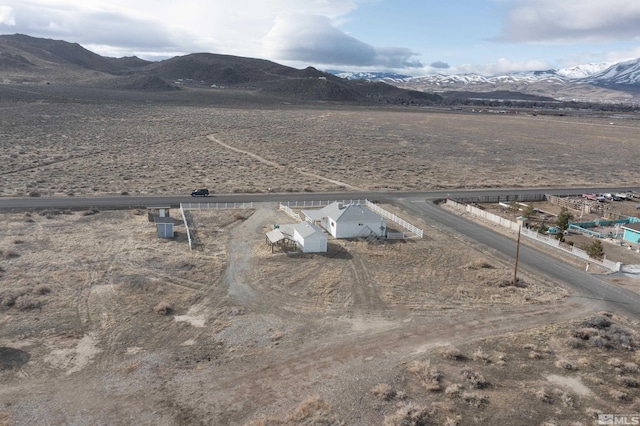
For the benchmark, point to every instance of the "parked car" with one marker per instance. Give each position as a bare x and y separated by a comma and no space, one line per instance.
200,193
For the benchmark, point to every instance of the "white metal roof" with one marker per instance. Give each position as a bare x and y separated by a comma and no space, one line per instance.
307,229
344,213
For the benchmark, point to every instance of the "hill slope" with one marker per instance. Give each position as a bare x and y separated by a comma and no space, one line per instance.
29,59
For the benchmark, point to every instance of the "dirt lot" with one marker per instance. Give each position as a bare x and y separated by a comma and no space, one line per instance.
123,148
101,322
104,323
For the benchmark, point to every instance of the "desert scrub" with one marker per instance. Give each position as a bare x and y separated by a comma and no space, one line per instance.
383,392
565,364
429,376
409,414
475,379
453,391
27,302
543,396
475,399
452,353
162,308
480,355
8,253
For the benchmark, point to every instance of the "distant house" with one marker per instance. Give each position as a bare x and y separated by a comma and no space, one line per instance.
631,232
347,221
310,238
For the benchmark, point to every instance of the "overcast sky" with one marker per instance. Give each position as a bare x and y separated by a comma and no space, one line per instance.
415,37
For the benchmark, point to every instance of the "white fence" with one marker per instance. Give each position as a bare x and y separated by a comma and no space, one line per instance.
303,204
406,225
184,219
290,212
543,238
215,206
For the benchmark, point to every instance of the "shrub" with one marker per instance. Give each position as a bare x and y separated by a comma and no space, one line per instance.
409,414
313,411
8,298
475,398
598,321
474,378
566,399
452,353
585,333
453,391
575,343
630,382
383,392
27,302
162,308
41,290
619,395
480,355
8,253
630,367
565,364
543,396
428,375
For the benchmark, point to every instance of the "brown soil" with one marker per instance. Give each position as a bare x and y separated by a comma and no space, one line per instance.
86,149
101,322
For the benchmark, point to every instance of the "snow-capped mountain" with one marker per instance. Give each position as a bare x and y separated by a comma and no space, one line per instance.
624,73
595,82
371,76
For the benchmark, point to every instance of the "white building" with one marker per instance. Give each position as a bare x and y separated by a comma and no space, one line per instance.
310,238
348,221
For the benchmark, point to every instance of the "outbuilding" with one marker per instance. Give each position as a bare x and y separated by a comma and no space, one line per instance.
348,221
631,232
164,226
310,238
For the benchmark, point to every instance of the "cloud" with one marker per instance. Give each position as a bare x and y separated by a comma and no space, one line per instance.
440,65
314,39
6,16
571,21
502,66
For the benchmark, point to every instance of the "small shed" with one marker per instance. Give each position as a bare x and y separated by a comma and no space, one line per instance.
348,221
164,226
157,211
631,232
523,221
310,238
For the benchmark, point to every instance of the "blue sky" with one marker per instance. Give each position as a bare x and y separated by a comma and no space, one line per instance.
408,36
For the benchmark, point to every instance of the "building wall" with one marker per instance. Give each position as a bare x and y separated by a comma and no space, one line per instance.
316,243
631,236
359,229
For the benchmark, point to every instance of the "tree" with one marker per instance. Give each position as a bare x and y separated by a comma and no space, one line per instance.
562,223
528,211
594,250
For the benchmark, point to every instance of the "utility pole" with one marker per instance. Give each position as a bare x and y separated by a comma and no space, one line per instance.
515,271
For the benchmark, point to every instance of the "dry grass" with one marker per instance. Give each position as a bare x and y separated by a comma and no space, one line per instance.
384,392
451,353
408,414
428,375
364,148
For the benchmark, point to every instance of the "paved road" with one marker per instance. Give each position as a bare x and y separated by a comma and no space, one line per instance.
26,203
585,285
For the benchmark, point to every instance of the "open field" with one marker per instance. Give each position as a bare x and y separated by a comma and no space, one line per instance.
80,148
101,322
131,328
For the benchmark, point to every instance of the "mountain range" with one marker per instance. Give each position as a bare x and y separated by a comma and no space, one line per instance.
30,60
595,82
